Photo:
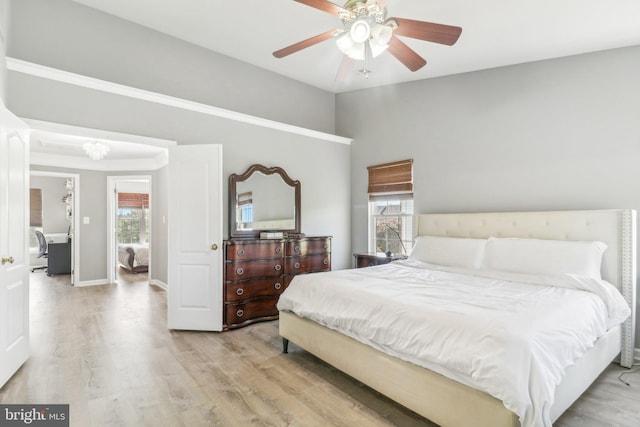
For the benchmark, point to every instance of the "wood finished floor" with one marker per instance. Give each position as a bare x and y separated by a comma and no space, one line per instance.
106,351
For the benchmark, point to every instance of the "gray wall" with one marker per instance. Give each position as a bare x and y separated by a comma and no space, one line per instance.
84,41
4,35
54,211
551,135
159,237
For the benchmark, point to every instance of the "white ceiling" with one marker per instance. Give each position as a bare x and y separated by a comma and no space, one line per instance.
62,149
495,33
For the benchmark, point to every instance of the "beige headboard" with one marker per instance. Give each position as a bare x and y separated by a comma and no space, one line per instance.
615,227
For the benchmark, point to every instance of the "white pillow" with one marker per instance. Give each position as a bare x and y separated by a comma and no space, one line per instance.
544,257
449,251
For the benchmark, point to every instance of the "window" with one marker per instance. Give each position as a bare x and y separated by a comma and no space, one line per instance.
245,210
391,207
133,218
392,222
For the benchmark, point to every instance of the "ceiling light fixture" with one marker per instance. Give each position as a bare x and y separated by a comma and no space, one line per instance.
364,24
95,150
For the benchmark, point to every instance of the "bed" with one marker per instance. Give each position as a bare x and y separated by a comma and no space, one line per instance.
134,257
456,402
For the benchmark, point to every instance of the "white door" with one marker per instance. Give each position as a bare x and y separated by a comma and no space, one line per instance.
14,251
195,238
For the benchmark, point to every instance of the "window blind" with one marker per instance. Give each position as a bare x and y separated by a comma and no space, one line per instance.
391,179
35,207
245,198
133,200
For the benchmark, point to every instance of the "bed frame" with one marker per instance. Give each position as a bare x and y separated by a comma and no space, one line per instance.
447,402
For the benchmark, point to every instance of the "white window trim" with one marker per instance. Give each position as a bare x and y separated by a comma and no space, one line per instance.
372,232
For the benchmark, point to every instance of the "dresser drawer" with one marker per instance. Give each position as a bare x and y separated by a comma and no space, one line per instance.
246,311
308,247
250,269
253,250
247,289
305,264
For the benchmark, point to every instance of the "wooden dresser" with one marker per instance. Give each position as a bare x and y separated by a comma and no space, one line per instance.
257,271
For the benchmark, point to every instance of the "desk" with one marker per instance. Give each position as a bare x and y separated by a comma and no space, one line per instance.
59,258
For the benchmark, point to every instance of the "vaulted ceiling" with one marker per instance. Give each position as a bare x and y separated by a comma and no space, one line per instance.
495,33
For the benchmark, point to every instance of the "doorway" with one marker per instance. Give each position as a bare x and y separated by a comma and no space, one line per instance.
129,226
60,201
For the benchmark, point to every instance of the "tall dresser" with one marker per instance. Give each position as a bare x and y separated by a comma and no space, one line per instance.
257,271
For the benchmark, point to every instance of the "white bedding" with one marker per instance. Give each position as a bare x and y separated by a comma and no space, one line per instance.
510,339
141,254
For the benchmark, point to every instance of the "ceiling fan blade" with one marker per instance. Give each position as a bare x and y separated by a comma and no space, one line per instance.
303,44
428,31
324,6
405,54
346,66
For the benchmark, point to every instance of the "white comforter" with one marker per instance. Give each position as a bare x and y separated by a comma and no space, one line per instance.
510,339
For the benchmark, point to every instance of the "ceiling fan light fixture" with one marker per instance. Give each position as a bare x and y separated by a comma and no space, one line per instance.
347,46
95,150
360,30
381,34
354,46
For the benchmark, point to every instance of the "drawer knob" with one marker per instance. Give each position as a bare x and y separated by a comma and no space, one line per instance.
277,286
297,248
239,291
278,267
278,249
325,261
240,271
296,265
240,313
240,252
325,246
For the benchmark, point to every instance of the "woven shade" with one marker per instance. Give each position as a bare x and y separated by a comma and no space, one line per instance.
245,198
391,178
35,207
133,200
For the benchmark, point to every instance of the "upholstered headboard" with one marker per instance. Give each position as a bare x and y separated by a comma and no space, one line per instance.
616,228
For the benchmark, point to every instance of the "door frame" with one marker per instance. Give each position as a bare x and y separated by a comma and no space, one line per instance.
75,237
112,204
100,134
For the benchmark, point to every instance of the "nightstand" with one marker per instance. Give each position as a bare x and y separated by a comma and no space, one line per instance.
369,259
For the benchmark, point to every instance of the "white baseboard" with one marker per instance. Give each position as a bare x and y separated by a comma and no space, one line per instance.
92,283
98,282
158,283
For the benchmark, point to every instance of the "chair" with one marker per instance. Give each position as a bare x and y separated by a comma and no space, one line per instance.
42,250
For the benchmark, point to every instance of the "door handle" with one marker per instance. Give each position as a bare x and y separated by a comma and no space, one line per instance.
7,260
214,247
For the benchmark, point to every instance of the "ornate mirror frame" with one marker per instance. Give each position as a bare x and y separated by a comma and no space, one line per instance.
234,179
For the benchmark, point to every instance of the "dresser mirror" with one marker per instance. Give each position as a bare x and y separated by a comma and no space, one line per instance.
263,199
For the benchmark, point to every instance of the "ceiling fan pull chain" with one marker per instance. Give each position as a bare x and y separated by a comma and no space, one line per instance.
367,59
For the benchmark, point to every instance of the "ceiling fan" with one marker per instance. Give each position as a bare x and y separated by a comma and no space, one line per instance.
367,32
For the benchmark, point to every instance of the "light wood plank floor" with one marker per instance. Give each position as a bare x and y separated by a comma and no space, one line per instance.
106,351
